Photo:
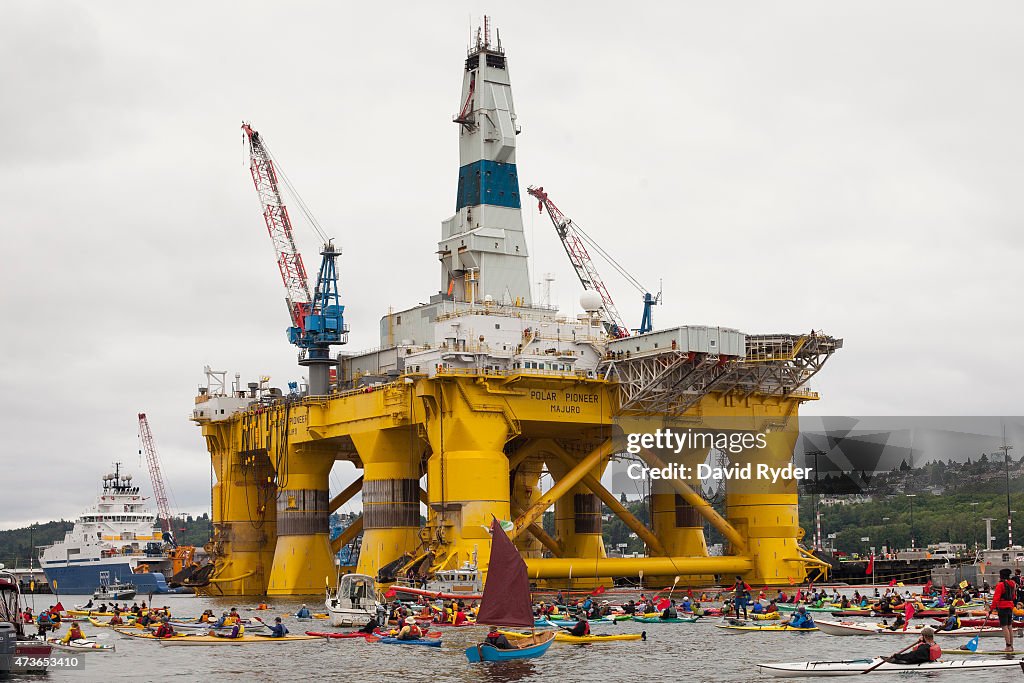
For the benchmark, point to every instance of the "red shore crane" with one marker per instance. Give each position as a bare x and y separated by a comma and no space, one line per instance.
163,506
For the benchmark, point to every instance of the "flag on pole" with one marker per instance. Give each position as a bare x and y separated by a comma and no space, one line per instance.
390,593
871,566
892,583
598,591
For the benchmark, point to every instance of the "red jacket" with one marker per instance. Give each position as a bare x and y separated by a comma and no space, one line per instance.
1004,595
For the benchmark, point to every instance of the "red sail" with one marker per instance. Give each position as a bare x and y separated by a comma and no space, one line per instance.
506,600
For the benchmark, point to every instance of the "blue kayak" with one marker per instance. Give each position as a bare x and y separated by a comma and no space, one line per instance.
429,642
488,653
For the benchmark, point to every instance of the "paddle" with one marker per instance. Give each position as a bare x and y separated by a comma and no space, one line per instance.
886,659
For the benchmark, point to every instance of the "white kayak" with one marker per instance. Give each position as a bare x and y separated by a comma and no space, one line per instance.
851,628
855,667
80,645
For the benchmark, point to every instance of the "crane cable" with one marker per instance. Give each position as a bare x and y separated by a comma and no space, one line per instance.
314,224
608,257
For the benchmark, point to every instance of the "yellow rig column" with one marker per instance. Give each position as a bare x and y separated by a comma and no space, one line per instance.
676,523
578,524
391,496
244,514
303,558
765,513
467,473
525,492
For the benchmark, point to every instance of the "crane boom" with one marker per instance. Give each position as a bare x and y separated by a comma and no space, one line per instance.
581,261
279,225
153,460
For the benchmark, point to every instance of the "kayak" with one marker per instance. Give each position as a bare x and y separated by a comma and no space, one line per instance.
773,627
659,620
983,652
80,645
988,623
563,637
854,667
146,635
849,628
429,642
192,626
104,624
771,616
244,640
347,634
789,607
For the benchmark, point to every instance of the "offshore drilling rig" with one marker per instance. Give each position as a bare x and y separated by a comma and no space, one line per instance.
479,393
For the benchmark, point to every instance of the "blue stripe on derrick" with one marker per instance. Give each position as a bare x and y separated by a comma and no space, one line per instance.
488,182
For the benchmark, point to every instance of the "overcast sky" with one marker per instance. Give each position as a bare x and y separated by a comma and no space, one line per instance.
851,167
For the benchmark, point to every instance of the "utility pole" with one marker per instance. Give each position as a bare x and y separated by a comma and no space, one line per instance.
988,532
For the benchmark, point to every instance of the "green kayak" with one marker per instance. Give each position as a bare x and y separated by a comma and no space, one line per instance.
659,620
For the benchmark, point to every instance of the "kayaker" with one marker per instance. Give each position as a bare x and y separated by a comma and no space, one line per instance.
303,612
44,622
460,617
165,630
497,639
88,605
116,620
629,608
559,599
279,630
582,627
222,621
758,608
800,619
103,607
670,611
741,591
411,631
925,650
1002,602
772,608
237,631
952,622
899,623
588,604
371,626
74,633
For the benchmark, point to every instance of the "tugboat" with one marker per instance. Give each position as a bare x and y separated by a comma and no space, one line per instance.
117,536
115,591
12,632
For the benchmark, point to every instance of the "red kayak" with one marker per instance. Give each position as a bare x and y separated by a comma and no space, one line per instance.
381,633
880,615
983,622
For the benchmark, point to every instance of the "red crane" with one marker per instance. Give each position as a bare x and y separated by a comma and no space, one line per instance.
279,225
570,234
163,506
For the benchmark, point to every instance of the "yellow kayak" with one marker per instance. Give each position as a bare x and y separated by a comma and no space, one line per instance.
146,635
771,616
103,624
564,637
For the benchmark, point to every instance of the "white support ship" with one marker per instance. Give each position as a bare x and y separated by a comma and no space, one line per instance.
354,601
116,540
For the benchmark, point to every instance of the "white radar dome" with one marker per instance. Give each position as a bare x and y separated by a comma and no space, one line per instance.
590,300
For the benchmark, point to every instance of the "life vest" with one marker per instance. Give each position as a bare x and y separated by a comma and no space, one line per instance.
934,652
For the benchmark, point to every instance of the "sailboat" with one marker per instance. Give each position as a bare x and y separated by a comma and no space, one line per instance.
507,602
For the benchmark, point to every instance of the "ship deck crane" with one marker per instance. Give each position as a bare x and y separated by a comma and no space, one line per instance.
163,506
318,320
574,240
